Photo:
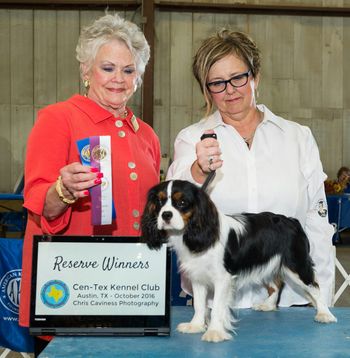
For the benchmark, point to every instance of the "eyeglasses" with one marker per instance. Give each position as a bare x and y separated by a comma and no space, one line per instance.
235,81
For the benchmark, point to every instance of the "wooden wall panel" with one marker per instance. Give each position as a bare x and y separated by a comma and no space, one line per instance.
204,25
22,87
162,81
305,75
68,75
280,37
280,32
22,65
346,60
327,127
45,57
87,17
136,100
258,29
6,159
345,136
5,99
334,2
5,93
180,72
22,122
332,62
308,61
181,54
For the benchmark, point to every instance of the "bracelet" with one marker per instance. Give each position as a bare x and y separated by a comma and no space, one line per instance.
60,194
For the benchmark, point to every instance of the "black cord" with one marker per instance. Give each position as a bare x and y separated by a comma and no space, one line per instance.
208,180
211,175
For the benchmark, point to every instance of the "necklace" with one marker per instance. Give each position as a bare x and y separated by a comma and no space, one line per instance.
248,139
123,115
251,136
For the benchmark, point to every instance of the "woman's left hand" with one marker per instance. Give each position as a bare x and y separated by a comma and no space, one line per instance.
77,178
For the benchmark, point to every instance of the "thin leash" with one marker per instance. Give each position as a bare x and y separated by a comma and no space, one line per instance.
208,180
212,174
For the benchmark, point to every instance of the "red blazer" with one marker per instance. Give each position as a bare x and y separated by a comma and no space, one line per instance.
52,145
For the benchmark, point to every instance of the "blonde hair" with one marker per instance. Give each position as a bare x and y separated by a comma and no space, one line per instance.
108,28
214,48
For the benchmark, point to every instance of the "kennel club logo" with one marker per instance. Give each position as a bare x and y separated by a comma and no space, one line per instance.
54,294
10,290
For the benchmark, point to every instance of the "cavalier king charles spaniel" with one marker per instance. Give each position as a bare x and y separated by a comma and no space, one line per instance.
218,253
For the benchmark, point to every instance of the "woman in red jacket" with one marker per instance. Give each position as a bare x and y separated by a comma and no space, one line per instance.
113,54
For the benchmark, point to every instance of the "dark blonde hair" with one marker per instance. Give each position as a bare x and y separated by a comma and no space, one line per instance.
214,48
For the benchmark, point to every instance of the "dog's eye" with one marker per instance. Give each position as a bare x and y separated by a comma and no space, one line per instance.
181,203
161,201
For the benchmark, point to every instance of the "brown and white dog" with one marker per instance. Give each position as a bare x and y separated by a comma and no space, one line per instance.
217,252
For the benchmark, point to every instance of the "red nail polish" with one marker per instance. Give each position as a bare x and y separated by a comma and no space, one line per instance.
93,170
100,175
86,193
98,181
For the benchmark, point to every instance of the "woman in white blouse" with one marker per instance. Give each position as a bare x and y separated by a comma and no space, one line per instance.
262,161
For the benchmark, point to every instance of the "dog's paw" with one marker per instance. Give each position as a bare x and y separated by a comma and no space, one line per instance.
188,327
264,307
216,336
325,317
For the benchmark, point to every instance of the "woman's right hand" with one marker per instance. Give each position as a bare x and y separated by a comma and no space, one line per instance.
208,158
208,153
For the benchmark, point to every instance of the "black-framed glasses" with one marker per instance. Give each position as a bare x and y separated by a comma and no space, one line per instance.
235,81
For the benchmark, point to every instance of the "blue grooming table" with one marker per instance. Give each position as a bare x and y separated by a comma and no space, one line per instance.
339,213
288,332
8,196
12,220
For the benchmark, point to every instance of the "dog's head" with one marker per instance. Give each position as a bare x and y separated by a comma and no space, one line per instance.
180,208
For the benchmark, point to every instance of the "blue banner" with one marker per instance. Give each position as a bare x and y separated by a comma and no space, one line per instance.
12,336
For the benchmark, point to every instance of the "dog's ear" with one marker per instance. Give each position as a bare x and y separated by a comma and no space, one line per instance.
151,236
203,228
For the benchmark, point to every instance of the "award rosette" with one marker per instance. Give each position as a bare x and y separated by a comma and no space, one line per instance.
96,152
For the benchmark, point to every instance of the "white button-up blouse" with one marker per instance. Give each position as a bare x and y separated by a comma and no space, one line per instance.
281,173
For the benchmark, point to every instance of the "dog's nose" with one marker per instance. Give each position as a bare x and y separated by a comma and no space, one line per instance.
167,215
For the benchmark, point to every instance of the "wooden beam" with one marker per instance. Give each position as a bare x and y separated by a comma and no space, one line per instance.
147,13
70,4
252,9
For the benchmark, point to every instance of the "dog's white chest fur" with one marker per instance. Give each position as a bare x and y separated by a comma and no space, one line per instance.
204,267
